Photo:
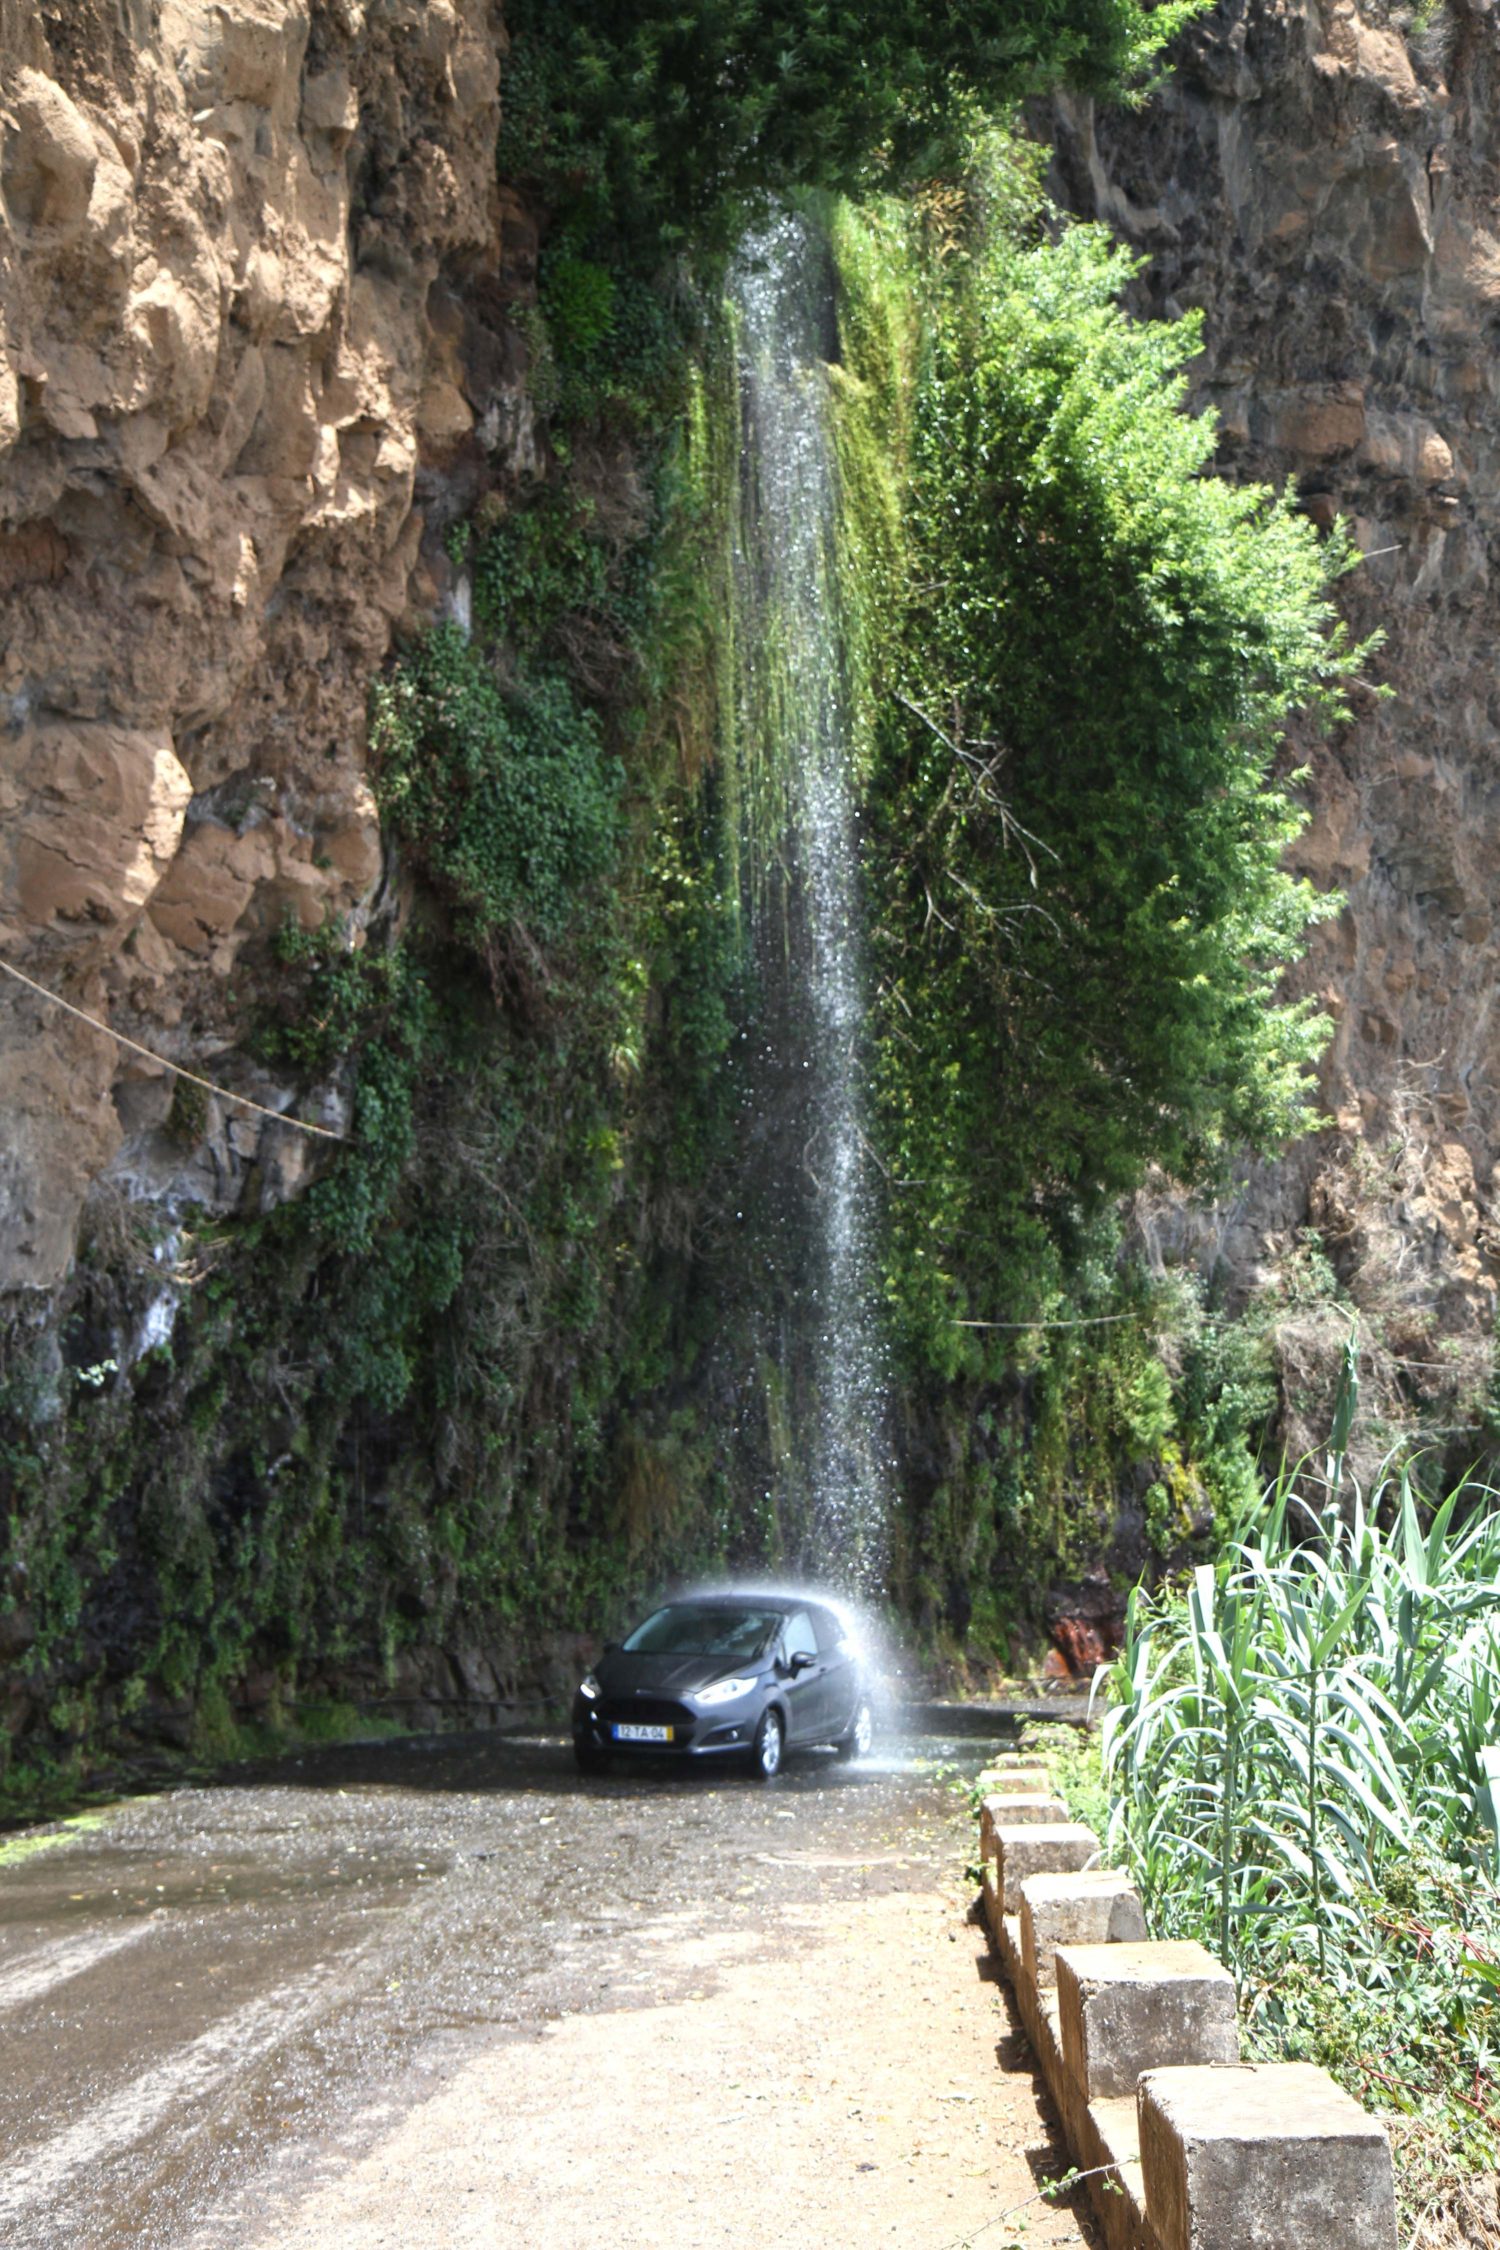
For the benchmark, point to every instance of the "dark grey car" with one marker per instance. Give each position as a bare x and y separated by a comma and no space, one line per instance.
727,1675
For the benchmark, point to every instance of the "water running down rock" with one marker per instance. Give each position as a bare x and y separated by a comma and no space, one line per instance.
812,1201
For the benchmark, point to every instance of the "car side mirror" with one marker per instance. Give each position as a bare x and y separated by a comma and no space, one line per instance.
800,1662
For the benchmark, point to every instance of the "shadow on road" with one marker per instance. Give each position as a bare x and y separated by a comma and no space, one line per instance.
511,1765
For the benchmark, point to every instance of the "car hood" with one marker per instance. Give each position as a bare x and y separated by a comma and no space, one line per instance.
626,1673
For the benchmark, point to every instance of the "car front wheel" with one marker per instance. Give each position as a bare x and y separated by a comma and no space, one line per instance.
589,1757
855,1741
767,1748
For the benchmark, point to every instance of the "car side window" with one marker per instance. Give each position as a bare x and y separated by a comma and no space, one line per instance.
828,1630
799,1639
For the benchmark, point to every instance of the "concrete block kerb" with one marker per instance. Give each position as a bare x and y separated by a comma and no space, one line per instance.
1263,2156
1017,1809
1060,1847
1125,2009
993,1910
1196,2151
1098,1907
1015,1781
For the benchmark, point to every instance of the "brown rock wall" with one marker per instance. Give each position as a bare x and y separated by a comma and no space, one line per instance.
223,224
1322,179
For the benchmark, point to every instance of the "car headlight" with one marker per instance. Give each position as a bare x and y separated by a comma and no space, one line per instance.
589,1687
723,1691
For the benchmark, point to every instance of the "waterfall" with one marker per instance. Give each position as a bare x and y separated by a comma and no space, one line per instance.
810,1203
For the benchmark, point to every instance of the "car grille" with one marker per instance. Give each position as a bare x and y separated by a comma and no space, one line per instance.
647,1711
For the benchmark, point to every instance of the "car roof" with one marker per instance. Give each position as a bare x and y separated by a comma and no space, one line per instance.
750,1595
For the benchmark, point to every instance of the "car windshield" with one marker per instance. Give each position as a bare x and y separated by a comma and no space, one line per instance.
706,1629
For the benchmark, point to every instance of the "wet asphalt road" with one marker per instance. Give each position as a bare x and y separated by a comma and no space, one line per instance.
221,1994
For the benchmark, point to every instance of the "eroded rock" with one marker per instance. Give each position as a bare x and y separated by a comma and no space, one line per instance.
219,379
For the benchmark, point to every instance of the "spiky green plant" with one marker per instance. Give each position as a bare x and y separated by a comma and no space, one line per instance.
1301,1751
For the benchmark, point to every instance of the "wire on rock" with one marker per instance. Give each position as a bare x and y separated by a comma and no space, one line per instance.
243,1101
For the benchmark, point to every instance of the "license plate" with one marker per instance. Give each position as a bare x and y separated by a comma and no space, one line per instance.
641,1734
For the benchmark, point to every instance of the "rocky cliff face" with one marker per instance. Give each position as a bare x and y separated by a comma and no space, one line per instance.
255,277
1320,178
252,276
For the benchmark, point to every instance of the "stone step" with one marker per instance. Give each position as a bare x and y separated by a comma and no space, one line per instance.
1131,2008
992,1905
1042,1848
1017,1809
1263,2156
1002,1780
1100,1907
1111,2134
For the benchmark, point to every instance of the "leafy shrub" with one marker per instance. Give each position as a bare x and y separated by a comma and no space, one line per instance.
578,299
1085,914
510,801
323,1008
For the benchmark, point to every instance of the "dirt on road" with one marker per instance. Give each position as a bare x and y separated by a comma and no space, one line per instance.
445,1994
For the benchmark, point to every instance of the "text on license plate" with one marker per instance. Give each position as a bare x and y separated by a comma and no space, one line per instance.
641,1734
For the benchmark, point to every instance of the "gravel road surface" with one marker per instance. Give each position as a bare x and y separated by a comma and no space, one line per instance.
442,1992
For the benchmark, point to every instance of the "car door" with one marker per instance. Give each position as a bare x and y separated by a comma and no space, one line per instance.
802,1678
840,1674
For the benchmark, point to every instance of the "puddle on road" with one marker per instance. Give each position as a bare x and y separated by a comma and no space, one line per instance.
120,1882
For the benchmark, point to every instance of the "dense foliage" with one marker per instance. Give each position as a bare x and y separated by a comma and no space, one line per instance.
1075,651
1300,1753
1084,912
511,802
660,125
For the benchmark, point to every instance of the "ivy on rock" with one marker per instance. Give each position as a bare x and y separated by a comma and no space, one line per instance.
1083,906
510,802
1083,651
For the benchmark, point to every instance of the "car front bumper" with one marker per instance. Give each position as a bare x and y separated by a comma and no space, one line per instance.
717,1732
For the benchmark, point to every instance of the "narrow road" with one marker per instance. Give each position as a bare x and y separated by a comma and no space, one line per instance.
442,1993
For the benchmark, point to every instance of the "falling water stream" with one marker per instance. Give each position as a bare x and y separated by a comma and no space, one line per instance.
811,1205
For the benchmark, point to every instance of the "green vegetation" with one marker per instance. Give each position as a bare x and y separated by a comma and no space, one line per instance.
1086,911
1083,912
1077,653
661,126
15,1850
509,802
1299,1752
462,1390
1074,1759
